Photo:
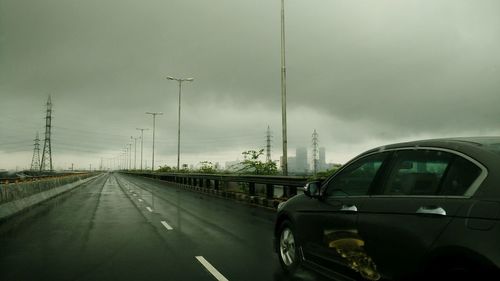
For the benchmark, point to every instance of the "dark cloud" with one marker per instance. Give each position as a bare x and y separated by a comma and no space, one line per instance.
360,72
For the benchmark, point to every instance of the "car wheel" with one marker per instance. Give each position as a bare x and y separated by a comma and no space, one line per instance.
288,248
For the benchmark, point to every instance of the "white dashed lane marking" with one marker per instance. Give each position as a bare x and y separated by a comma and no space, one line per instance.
211,269
149,209
165,224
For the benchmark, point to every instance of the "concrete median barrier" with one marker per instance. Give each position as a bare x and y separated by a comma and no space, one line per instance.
23,196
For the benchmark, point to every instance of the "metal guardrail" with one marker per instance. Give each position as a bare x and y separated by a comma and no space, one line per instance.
251,185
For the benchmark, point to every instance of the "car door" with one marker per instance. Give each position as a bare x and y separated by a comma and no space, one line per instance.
416,197
329,226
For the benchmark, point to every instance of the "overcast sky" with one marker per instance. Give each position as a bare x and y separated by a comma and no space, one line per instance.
362,73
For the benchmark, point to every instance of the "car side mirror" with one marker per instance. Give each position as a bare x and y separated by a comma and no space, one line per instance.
312,189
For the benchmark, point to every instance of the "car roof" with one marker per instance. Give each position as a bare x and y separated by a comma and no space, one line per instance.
486,144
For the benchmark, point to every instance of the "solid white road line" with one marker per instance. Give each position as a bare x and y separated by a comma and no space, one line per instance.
165,224
149,209
211,269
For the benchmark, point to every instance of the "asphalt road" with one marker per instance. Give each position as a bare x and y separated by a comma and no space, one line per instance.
120,227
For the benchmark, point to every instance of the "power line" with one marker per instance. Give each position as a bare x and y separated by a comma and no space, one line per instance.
15,144
26,148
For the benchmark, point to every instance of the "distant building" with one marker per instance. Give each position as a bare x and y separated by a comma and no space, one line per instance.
233,166
322,159
292,164
301,160
298,164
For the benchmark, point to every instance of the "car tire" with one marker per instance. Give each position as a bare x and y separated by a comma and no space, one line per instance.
288,248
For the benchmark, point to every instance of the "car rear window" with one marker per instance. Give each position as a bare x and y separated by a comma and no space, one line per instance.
460,177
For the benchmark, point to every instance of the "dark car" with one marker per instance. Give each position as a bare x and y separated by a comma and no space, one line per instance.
419,210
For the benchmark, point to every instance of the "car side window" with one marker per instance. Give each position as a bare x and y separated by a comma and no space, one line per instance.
356,179
429,172
417,172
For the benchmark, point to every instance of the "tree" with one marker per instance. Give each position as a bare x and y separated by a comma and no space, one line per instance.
164,169
324,174
252,165
207,167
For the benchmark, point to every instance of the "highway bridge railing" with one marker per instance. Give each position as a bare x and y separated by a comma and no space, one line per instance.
262,190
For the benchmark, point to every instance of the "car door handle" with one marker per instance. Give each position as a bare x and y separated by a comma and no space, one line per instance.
431,210
349,208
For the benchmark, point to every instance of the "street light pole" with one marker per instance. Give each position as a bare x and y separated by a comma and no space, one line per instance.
130,156
284,161
125,157
142,140
154,121
180,80
135,152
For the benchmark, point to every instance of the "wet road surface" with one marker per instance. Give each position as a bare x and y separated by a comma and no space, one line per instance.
119,227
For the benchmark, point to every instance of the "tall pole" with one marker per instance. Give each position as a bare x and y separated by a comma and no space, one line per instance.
179,129
46,163
125,157
154,121
131,138
268,145
284,163
130,156
153,154
35,161
142,141
180,80
315,142
135,153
